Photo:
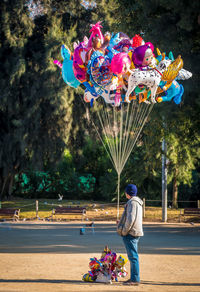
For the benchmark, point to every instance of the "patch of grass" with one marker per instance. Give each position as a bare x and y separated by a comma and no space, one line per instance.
96,211
155,214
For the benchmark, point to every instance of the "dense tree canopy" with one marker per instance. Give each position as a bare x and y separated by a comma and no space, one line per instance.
40,117
171,26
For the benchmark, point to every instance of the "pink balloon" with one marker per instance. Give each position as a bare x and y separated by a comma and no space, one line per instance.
120,63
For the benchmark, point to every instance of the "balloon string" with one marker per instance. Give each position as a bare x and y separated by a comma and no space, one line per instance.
120,132
118,194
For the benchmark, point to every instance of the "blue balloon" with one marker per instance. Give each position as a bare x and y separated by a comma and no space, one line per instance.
67,68
68,74
175,92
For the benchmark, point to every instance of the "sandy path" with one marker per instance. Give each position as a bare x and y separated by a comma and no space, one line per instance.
53,257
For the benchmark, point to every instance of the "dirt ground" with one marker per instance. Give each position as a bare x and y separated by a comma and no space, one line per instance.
37,256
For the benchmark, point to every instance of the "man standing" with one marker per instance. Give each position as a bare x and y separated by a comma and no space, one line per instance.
130,228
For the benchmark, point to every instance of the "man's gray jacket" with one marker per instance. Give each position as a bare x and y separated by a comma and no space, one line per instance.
131,220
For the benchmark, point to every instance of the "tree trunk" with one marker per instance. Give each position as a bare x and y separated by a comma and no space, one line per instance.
6,186
175,190
3,187
1,182
10,185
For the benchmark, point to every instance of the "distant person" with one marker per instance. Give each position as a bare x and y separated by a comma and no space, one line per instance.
130,228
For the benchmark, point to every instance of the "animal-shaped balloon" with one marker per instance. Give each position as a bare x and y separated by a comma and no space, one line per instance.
171,88
182,73
67,67
175,92
150,78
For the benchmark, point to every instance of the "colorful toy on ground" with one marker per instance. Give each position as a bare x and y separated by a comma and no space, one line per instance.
106,269
122,69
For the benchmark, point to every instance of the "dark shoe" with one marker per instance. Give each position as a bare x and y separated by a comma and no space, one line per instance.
131,283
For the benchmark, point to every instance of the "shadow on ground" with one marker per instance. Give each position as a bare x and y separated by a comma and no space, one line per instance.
75,282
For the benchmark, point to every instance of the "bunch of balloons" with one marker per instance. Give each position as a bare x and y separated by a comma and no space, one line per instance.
108,268
121,69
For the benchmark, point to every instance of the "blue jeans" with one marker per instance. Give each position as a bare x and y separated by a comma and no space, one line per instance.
131,245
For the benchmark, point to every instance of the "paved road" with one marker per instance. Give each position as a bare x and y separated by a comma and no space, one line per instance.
177,239
40,257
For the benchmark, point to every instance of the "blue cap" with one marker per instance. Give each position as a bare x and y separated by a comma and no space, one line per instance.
131,190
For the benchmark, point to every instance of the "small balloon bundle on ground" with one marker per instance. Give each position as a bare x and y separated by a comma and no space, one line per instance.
106,269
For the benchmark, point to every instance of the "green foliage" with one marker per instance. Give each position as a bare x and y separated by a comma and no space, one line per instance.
183,150
108,186
40,117
16,29
65,180
86,184
35,104
170,26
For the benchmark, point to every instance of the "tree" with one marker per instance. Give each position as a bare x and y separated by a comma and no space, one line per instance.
183,151
16,28
171,26
35,104
40,115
